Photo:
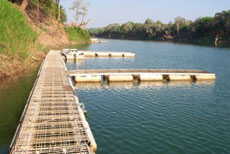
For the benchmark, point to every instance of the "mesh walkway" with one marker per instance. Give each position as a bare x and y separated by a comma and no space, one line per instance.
51,121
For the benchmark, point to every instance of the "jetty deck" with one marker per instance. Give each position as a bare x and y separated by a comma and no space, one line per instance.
136,71
89,54
53,120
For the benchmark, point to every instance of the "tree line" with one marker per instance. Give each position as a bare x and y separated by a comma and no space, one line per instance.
205,29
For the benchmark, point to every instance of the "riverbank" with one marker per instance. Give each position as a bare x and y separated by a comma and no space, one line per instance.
200,41
26,37
221,44
54,37
13,69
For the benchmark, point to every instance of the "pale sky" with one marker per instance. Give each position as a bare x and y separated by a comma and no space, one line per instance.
105,12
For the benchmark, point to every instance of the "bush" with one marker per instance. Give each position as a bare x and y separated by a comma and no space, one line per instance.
16,35
77,34
49,8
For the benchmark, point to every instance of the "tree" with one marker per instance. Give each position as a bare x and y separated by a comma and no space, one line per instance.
85,24
113,28
59,10
179,21
206,29
81,9
127,27
202,26
76,6
222,22
148,21
24,5
83,13
159,26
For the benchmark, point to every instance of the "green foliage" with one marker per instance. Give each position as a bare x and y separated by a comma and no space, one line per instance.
127,27
77,34
202,26
16,36
49,8
63,15
222,22
148,21
202,29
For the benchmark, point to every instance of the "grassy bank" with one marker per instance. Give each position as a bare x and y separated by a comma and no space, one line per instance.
26,36
76,34
17,40
16,35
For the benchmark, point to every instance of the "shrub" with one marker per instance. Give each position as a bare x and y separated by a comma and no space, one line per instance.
77,34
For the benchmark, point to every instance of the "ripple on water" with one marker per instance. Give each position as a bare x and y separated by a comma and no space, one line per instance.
153,118
157,117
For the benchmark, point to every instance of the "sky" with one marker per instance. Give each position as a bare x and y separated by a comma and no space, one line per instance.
105,12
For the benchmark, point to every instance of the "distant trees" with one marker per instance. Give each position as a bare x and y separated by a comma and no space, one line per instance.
202,26
222,22
206,28
127,27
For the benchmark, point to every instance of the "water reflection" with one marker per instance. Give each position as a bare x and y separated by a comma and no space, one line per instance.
125,85
179,84
207,82
151,84
13,97
88,85
140,85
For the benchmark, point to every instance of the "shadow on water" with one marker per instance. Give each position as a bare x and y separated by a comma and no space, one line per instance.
205,44
13,97
145,84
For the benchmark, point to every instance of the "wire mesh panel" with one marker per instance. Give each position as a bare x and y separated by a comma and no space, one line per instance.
52,122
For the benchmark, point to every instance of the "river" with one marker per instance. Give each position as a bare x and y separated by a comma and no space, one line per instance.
13,96
174,117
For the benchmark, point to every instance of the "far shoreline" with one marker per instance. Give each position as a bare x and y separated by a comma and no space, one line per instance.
221,44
